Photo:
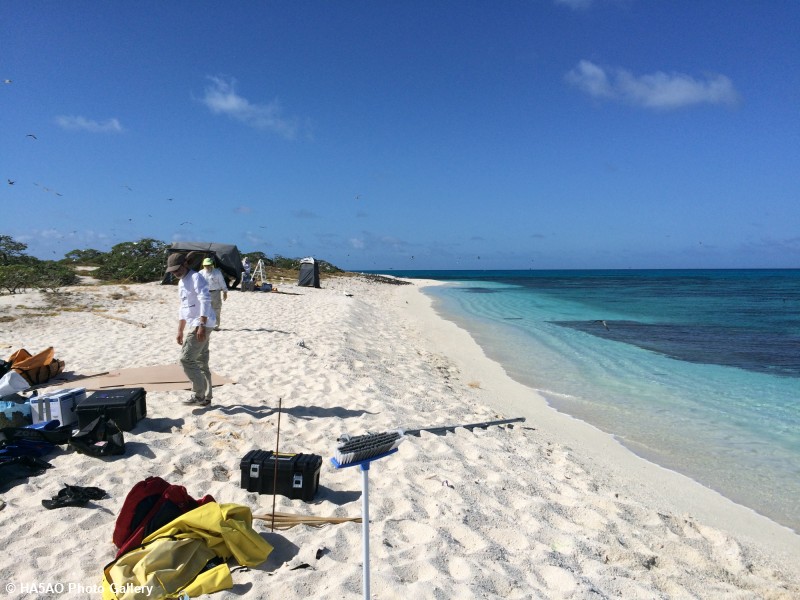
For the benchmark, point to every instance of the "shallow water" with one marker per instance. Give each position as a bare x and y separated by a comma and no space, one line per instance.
698,371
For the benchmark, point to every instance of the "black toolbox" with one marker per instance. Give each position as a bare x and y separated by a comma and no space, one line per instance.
297,477
125,406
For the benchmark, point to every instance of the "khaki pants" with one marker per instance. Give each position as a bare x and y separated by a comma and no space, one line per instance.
216,304
194,359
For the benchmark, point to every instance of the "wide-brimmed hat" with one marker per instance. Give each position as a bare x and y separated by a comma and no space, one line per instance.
208,261
175,261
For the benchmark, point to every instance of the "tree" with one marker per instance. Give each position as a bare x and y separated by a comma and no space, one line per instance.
51,275
139,262
256,256
85,257
11,252
282,262
14,278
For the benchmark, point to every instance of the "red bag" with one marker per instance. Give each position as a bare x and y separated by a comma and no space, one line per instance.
150,505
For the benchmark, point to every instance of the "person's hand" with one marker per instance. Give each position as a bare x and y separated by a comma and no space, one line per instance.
201,333
179,338
224,295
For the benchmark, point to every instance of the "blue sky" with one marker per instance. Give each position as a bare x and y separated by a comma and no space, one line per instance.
415,134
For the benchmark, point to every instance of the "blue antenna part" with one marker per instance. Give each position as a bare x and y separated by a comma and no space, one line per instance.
363,463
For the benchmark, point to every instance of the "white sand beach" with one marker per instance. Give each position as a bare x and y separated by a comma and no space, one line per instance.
548,508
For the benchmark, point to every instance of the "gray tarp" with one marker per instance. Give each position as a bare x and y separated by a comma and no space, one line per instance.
226,257
309,273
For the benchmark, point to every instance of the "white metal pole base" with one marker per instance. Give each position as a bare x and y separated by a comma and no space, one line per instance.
365,526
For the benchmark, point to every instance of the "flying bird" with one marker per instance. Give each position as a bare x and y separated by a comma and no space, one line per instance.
603,323
6,81
30,135
11,182
186,223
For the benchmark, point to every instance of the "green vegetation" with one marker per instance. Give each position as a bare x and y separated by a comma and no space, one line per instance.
18,271
128,262
133,262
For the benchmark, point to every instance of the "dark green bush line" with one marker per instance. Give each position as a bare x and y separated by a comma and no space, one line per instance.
128,262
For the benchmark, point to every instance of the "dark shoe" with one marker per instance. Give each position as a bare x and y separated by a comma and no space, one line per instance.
73,495
193,400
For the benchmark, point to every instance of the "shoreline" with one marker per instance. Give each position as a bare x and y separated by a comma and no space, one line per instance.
687,495
549,508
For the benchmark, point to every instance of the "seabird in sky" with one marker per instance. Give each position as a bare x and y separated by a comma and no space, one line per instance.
30,135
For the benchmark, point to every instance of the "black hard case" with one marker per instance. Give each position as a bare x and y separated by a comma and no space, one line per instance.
125,406
297,478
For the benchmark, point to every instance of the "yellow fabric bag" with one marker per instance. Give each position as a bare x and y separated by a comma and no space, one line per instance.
226,528
161,569
170,561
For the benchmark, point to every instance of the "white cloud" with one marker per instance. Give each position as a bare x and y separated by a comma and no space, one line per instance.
658,90
357,243
221,98
76,123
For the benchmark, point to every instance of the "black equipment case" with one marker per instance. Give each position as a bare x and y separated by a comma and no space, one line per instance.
298,474
124,406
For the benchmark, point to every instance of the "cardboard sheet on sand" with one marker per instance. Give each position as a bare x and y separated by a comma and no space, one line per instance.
159,378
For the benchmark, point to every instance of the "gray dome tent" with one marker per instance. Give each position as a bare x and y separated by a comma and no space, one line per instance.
226,257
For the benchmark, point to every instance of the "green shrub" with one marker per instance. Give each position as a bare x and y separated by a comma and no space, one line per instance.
89,257
17,278
50,276
137,262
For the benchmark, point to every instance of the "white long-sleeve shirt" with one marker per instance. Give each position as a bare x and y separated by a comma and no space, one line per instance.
215,280
195,301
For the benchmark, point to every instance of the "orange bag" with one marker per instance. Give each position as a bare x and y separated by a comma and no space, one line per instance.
36,369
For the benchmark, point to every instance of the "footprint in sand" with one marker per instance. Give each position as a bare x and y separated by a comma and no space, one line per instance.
459,568
558,580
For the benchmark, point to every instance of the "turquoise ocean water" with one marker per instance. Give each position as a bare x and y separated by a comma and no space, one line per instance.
698,371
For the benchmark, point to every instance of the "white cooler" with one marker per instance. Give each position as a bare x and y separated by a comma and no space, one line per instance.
60,405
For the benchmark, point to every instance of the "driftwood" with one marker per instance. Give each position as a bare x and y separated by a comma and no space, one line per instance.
124,320
469,427
282,521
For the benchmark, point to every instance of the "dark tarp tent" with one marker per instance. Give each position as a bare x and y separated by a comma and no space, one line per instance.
226,258
309,273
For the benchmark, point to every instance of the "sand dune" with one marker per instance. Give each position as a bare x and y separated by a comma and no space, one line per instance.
550,508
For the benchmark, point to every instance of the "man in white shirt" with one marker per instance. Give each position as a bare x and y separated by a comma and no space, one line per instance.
196,312
217,286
